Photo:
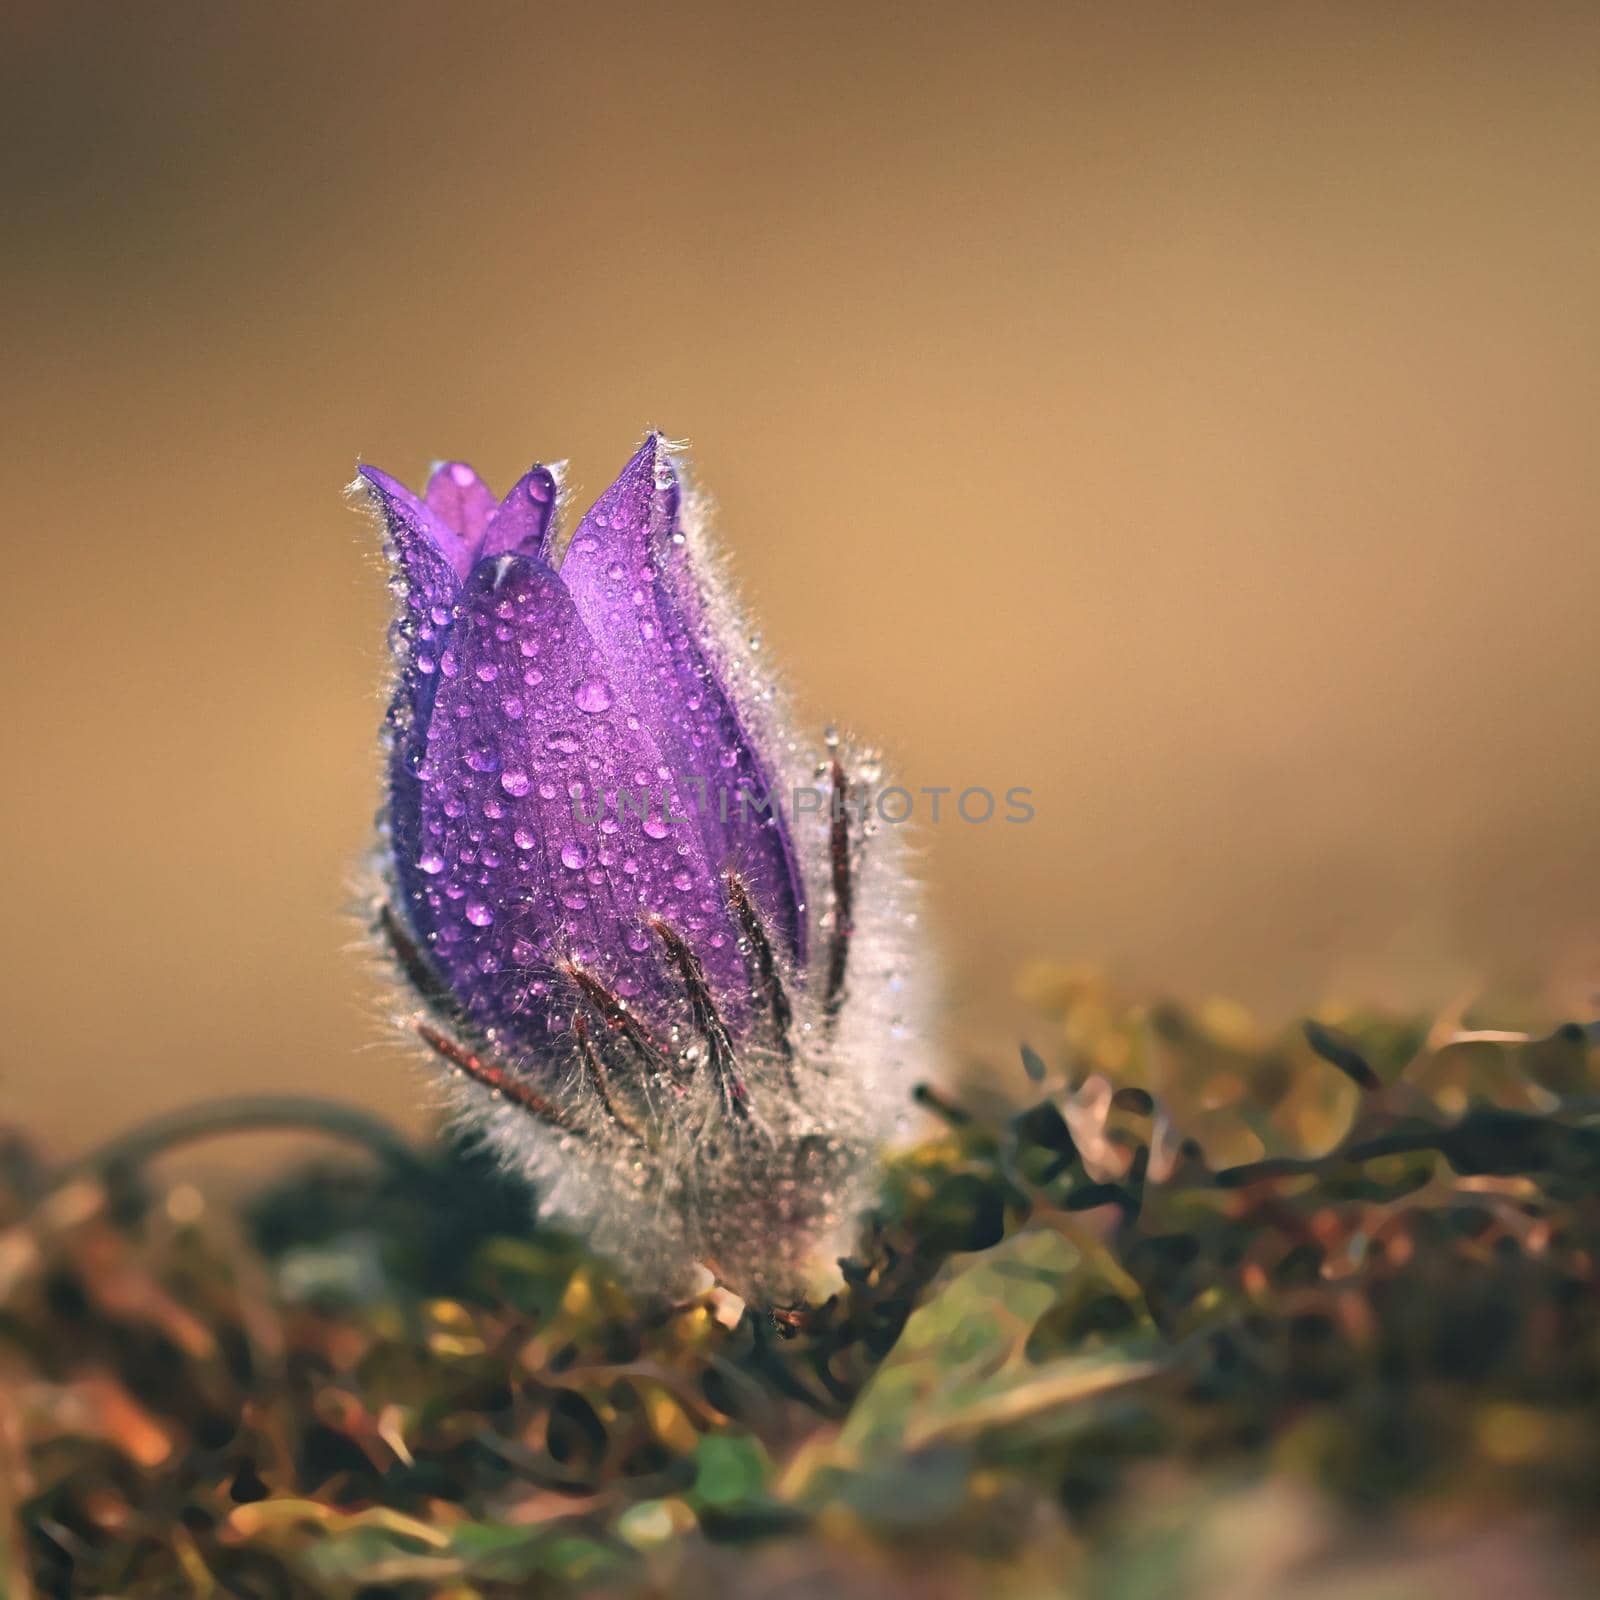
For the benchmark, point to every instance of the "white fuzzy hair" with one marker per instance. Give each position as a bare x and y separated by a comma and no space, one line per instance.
767,1209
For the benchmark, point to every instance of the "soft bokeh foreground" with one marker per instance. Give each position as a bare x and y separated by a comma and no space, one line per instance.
1320,1316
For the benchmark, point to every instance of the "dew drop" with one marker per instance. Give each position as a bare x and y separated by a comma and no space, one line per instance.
478,914
655,827
432,863
574,854
515,781
564,743
593,695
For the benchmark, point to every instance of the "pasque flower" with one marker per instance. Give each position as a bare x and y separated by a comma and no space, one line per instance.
654,938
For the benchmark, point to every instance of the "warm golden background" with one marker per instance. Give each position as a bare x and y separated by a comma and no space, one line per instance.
1187,411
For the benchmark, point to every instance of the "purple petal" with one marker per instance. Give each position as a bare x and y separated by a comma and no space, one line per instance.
462,501
522,519
512,886
424,556
414,529
629,573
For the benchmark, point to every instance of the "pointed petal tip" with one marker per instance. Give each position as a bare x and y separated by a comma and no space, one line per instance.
541,481
461,500
646,491
660,453
412,525
376,483
390,498
521,523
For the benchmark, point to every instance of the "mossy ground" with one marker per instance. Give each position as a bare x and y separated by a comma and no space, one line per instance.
1170,1308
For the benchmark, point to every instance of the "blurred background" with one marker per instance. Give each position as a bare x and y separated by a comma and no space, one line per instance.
1188,413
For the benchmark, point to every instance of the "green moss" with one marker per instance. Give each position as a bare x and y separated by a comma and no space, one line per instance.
1167,1297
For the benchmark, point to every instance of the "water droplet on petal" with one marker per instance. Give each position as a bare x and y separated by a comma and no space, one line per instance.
565,743
432,862
515,781
574,854
478,914
593,695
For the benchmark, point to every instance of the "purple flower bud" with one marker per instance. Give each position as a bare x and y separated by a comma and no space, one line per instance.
669,983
